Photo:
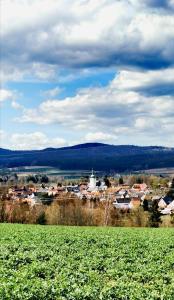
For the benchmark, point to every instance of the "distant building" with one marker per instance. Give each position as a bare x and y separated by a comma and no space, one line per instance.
123,203
94,185
92,182
139,187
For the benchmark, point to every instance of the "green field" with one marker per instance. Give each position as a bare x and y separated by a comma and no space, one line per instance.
49,262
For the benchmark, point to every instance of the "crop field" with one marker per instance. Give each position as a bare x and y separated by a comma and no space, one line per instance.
49,262
49,171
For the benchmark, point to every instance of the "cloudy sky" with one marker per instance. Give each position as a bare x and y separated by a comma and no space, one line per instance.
86,70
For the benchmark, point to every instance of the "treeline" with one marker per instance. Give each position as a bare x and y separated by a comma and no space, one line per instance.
69,210
14,179
152,181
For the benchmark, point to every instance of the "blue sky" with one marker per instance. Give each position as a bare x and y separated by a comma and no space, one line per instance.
86,71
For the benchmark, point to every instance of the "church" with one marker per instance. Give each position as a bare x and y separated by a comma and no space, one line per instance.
93,186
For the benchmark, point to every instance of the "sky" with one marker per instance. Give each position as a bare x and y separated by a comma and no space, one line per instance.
86,71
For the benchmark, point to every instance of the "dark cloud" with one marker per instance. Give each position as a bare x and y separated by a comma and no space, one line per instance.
88,56
141,39
158,3
159,89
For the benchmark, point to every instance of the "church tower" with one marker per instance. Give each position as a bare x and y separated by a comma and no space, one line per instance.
92,182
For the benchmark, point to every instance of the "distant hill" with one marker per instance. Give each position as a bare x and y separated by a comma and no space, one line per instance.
92,155
4,151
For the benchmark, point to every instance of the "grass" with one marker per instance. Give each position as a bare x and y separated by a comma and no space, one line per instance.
60,262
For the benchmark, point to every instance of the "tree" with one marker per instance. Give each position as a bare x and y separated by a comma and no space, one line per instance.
32,178
131,180
172,219
46,199
139,180
172,185
41,219
2,211
121,181
145,205
155,216
171,190
16,176
154,182
98,183
44,179
107,182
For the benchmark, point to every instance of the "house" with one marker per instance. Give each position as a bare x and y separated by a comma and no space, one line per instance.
42,190
139,187
171,206
123,203
124,186
166,211
169,209
83,186
167,199
73,188
165,204
156,198
162,204
122,200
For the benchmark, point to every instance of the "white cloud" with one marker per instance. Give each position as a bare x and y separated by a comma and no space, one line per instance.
6,95
3,139
100,137
122,109
16,105
2,135
129,79
34,140
52,92
143,123
27,71
10,95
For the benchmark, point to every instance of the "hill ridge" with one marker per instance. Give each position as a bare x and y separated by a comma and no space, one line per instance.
92,155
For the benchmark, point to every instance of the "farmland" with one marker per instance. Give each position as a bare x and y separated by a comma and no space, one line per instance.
58,262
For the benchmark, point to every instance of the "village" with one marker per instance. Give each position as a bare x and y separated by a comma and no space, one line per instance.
119,194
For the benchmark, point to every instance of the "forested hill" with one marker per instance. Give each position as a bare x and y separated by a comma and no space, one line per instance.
92,155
